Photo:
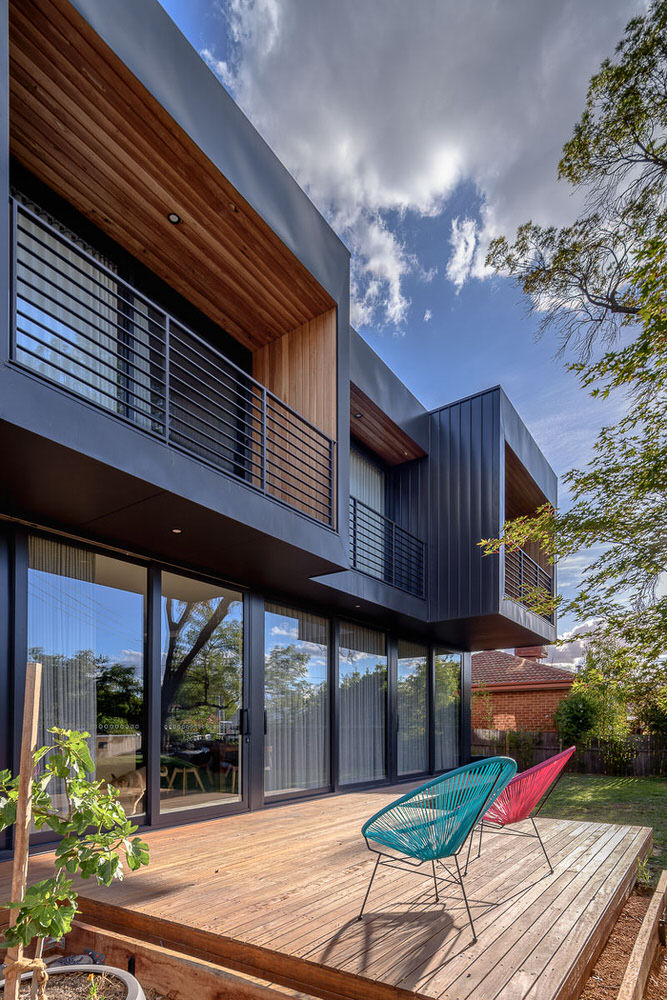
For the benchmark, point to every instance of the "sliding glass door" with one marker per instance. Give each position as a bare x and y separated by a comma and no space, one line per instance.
362,670
296,700
447,709
412,708
86,628
201,694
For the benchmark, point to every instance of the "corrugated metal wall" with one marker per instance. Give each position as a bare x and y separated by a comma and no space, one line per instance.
465,506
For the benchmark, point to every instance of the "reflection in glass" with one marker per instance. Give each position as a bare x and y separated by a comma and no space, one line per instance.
86,628
363,703
412,708
447,709
202,692
296,693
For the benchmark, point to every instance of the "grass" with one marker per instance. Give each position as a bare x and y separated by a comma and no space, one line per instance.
601,799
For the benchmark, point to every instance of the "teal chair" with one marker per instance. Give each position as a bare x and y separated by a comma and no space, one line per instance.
433,821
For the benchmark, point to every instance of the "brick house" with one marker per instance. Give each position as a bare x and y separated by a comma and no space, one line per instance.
523,692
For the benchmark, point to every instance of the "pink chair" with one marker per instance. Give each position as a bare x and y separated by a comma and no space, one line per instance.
521,796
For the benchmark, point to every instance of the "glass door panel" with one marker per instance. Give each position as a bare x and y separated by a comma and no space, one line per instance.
296,699
447,709
86,628
201,694
412,756
362,671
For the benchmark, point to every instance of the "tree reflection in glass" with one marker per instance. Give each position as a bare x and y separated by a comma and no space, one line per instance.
447,709
201,694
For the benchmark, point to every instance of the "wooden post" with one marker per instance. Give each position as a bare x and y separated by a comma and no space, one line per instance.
33,683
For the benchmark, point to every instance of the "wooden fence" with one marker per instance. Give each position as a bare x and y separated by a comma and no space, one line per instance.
640,756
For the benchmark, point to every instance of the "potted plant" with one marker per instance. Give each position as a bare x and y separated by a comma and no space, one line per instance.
96,836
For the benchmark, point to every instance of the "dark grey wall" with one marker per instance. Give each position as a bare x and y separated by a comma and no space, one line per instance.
465,506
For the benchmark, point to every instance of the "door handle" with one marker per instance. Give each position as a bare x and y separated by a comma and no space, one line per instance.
245,722
266,723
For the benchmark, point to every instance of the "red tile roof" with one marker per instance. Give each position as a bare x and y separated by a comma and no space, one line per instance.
494,667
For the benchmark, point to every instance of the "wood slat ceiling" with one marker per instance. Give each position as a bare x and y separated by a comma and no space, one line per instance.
522,494
379,432
88,128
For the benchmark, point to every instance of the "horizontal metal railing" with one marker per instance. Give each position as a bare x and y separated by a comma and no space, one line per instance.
523,576
380,548
75,322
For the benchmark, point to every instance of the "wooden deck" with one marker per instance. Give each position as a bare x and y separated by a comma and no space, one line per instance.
275,895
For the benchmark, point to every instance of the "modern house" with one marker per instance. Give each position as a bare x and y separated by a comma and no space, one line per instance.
244,553
517,690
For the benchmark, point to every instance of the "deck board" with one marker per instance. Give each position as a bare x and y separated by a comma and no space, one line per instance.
276,894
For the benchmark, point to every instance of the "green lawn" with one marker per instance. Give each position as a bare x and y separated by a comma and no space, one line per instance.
638,801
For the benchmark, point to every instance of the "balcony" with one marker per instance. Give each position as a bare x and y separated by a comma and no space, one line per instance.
382,549
77,325
523,576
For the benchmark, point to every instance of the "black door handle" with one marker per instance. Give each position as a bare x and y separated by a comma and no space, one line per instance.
245,722
266,723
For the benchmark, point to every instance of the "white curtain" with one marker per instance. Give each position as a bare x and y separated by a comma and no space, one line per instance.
368,484
61,635
447,710
296,700
412,708
362,670
79,326
66,311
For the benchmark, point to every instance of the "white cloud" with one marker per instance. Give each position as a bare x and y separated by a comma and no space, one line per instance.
572,653
463,242
428,315
382,109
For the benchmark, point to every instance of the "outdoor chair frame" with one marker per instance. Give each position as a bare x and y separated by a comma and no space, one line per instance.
434,821
525,805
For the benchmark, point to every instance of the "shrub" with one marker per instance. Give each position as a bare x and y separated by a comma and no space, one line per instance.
577,717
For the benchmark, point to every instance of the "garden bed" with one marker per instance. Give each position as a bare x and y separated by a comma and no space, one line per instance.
606,978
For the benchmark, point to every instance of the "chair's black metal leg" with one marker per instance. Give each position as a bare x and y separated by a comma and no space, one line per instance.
361,911
435,883
537,833
481,830
472,837
465,898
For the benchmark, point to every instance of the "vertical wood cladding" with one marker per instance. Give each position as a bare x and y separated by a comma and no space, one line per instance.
465,506
300,368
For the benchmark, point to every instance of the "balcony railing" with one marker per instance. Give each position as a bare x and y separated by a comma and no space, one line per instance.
523,576
380,548
80,326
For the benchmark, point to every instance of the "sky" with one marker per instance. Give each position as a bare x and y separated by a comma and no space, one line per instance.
421,130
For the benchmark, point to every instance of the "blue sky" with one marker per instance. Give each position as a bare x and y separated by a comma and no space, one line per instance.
421,131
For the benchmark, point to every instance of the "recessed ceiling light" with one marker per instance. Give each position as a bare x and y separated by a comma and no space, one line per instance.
176,531
357,605
174,218
358,416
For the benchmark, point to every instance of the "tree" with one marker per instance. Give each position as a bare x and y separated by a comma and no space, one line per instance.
602,284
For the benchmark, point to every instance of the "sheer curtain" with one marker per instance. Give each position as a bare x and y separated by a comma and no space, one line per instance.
61,620
296,700
447,709
66,308
80,326
412,707
363,703
85,626
368,484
